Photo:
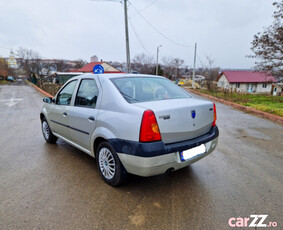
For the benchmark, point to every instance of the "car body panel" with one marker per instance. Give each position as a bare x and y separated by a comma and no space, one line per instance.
82,125
57,120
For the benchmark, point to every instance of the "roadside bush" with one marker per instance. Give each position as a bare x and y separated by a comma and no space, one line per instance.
50,87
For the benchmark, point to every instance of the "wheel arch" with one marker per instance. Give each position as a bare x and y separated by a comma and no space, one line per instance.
96,143
42,116
99,135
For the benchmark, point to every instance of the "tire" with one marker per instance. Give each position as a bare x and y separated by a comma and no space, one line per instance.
110,167
47,133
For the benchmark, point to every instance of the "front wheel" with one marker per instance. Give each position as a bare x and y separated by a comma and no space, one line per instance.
111,169
47,133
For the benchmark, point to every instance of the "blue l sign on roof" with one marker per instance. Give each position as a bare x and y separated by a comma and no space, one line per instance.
98,69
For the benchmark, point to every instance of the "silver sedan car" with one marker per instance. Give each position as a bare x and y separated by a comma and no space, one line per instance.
139,124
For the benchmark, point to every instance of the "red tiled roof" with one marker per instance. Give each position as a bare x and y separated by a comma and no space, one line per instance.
89,67
247,76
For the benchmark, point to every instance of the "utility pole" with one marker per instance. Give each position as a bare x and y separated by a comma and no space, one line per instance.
127,38
156,73
194,71
126,32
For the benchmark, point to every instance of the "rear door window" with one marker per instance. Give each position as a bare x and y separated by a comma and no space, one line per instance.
87,94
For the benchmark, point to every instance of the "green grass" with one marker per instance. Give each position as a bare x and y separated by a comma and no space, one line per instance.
3,81
267,103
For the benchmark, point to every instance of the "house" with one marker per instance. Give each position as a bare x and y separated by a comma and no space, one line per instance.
63,77
246,81
88,68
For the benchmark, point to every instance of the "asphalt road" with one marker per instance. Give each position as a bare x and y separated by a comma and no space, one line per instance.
45,186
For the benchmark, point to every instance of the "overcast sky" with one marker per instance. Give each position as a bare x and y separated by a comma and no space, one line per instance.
72,29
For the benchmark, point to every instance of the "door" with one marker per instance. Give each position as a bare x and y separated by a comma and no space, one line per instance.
58,114
251,88
82,116
274,91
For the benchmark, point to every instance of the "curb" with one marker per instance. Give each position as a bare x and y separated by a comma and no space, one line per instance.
241,107
40,90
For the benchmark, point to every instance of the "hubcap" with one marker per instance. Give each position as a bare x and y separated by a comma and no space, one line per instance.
106,163
45,129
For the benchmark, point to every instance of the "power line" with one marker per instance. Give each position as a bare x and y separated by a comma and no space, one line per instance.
149,5
153,27
5,47
137,36
200,61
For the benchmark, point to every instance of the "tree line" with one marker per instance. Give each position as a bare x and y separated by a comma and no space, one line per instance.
33,64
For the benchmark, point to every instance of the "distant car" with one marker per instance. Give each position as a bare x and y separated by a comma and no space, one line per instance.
139,124
181,82
10,78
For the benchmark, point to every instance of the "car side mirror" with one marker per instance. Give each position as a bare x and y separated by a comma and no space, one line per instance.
48,100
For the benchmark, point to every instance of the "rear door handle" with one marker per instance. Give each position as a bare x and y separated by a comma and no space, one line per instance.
65,114
91,118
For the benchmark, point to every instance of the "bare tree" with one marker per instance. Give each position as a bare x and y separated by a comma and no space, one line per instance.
267,45
143,59
30,61
178,62
168,63
209,72
172,67
143,63
60,65
79,63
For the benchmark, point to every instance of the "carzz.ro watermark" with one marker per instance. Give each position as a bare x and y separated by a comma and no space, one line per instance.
251,221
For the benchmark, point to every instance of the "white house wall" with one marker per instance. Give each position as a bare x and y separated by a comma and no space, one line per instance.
223,82
259,88
108,67
256,86
243,87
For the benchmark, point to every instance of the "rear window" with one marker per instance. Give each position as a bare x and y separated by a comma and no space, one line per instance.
143,89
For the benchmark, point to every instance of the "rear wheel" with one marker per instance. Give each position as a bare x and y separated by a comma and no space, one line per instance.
47,133
111,169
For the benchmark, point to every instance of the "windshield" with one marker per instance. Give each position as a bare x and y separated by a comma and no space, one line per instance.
143,89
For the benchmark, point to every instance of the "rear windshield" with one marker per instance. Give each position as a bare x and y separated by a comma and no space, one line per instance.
143,89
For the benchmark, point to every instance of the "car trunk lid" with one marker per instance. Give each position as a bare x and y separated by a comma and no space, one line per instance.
181,119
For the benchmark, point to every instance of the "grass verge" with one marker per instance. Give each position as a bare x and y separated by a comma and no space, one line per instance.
263,102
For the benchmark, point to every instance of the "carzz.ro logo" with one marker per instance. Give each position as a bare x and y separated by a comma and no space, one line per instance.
252,221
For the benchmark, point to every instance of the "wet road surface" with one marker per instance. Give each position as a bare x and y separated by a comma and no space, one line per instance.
45,186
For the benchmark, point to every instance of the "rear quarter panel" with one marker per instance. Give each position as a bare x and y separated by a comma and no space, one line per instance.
117,118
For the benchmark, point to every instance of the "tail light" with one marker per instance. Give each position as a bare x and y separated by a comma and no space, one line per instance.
214,117
149,128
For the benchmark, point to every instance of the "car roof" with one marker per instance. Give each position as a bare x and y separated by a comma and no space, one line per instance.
111,75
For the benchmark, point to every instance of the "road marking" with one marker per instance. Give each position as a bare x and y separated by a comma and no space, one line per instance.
12,101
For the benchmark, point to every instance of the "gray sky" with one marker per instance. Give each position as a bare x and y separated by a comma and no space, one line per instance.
73,29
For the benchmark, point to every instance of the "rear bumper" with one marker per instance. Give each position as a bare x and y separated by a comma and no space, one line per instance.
148,159
150,166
